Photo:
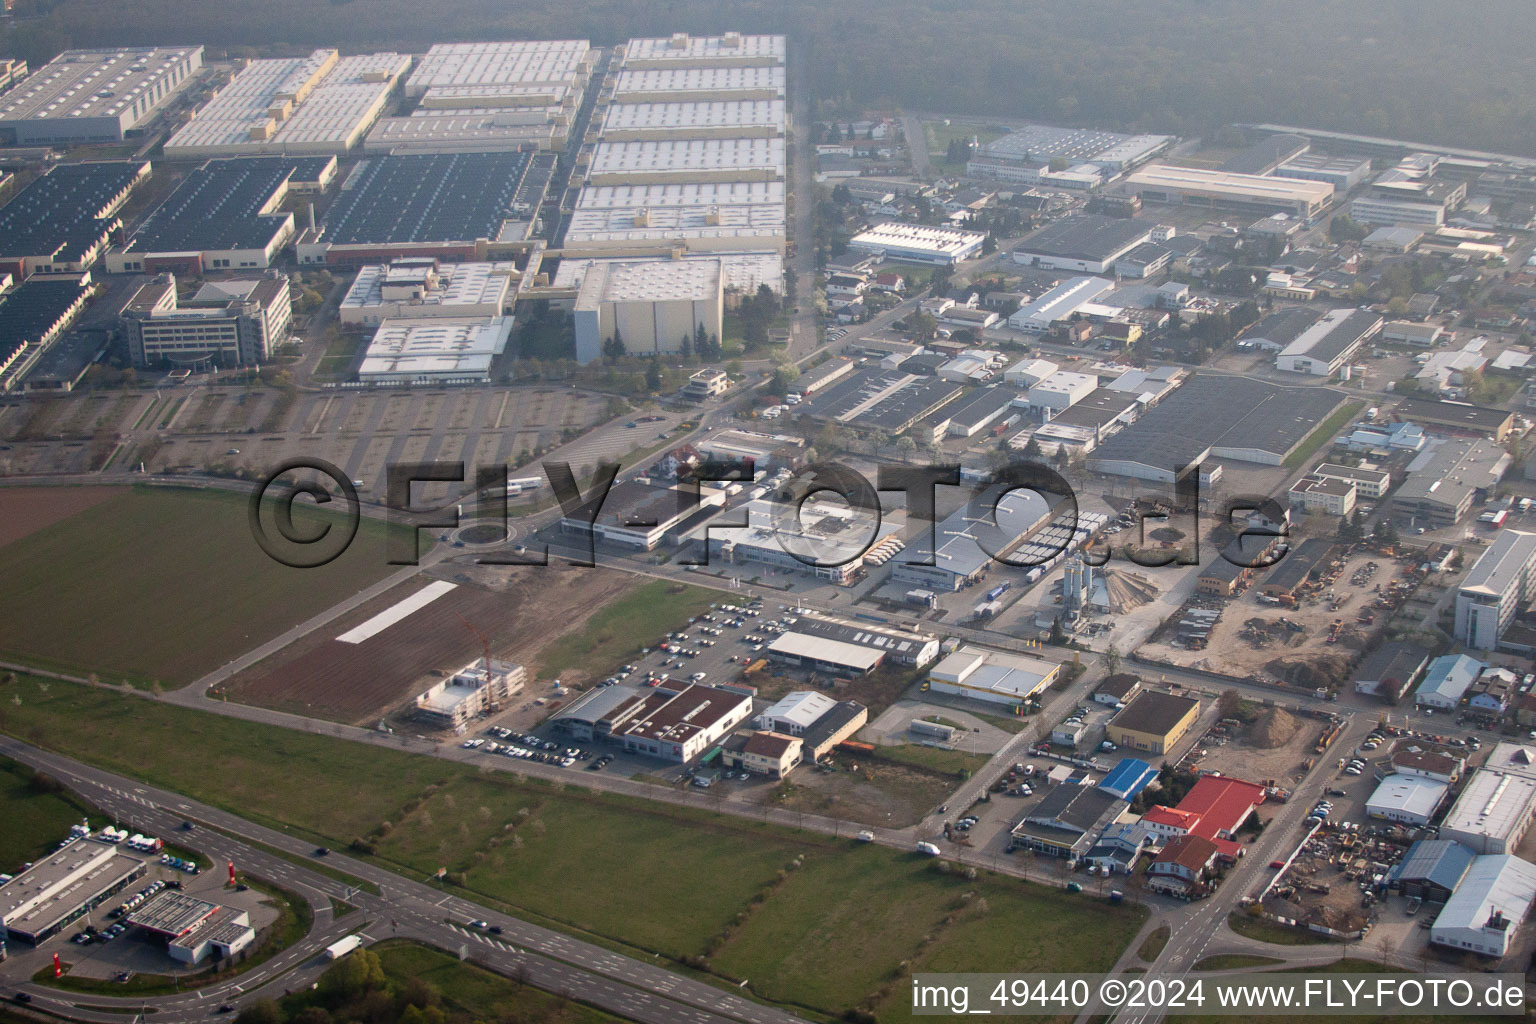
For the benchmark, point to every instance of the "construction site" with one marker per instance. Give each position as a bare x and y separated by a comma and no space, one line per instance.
1262,740
1308,632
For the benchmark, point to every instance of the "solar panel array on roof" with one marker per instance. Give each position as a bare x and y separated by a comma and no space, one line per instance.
33,309
219,205
440,197
60,214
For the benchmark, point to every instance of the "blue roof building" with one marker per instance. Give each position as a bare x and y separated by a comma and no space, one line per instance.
1447,681
1431,869
1128,778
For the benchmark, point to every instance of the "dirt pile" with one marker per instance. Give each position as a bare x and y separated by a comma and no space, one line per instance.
1273,728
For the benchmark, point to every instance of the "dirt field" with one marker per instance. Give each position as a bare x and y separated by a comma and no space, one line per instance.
1252,637
321,677
879,793
1244,758
25,510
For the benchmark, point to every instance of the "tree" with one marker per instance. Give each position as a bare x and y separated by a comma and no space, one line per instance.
1229,704
613,348
1059,164
1344,228
653,375
1032,449
263,1011
784,377
923,326
1112,659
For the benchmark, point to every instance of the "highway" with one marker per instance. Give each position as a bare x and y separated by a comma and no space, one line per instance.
406,908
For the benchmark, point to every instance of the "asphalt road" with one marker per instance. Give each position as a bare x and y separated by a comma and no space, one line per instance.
406,908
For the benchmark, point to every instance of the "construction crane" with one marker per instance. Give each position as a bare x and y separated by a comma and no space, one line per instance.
485,643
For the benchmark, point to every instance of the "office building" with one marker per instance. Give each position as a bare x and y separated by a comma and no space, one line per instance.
679,721
1422,201
85,96
474,690
1370,482
1313,493
226,323
1499,584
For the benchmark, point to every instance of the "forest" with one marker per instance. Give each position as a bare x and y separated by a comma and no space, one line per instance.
1417,69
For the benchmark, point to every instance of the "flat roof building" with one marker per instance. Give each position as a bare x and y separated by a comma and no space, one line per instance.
1216,417
699,84
426,288
1457,418
1248,193
743,272
687,160
1059,303
637,514
902,646
993,676
1040,144
699,216
1342,172
730,49
439,350
636,122
447,205
1084,243
1496,805
64,220
832,541
473,690
61,887
1153,721
225,215
84,96
230,323
33,315
679,724
322,104
916,243
648,306
970,540
1498,585
1445,479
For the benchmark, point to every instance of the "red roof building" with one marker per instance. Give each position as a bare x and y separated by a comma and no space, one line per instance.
1214,809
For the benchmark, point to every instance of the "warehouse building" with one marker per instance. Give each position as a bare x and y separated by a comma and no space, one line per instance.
466,131
1277,330
1446,681
678,721
917,243
226,323
687,160
1446,479
739,119
1067,822
1084,243
322,104
1406,799
820,532
1419,201
1246,193
1038,145
650,306
1127,778
441,350
226,215
1486,911
474,690
846,647
1298,566
84,96
1153,722
742,272
1391,670
1059,303
33,316
699,84
1060,391
1431,870
958,558
730,49
453,204
1500,583
1497,803
1342,172
699,216
993,676
839,723
192,929
1216,417
1457,418
638,515
819,721
62,887
425,288
64,220
1323,348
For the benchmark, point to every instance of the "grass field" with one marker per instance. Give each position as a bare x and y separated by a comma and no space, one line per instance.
630,873
35,822
939,135
1152,945
624,626
1235,961
1325,432
1267,931
158,584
